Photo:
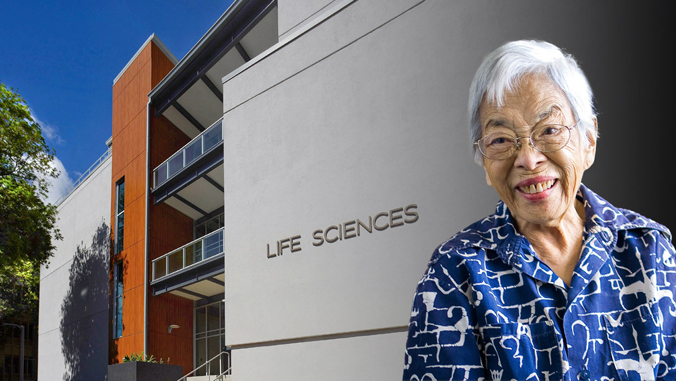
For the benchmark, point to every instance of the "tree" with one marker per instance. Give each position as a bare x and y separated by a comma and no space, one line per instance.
27,223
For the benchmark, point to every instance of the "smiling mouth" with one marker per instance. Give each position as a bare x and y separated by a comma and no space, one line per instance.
537,188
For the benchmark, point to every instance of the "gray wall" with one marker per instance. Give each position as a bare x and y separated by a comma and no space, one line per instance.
294,14
365,113
73,325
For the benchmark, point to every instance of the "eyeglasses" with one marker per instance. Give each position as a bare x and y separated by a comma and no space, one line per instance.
503,145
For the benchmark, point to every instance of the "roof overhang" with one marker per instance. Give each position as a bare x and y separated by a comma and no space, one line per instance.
223,36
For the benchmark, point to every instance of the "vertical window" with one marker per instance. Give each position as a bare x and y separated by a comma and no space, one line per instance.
119,216
118,289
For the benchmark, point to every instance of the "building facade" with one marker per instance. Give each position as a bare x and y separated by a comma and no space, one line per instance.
273,197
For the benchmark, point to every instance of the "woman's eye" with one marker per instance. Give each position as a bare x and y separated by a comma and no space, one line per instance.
499,140
550,130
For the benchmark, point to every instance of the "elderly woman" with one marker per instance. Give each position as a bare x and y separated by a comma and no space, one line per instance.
558,283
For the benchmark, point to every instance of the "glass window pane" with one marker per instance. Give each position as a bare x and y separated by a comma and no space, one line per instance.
213,225
119,229
193,151
201,355
200,231
118,290
120,197
213,349
160,267
213,245
175,261
190,254
161,175
120,233
213,317
118,317
197,251
200,320
175,164
212,136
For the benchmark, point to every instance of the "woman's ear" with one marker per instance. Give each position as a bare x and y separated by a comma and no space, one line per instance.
488,179
590,150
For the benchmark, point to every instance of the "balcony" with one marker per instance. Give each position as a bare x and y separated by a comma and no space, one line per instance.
187,155
193,271
191,180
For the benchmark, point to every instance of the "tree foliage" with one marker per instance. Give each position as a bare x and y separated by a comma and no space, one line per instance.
27,222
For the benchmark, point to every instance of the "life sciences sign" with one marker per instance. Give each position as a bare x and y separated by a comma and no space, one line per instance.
394,218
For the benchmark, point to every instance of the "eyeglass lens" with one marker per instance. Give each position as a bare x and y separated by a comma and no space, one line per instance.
503,144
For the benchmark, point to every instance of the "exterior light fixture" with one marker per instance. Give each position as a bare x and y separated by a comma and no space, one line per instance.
174,326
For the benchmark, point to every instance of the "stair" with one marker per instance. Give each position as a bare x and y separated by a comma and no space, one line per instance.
209,378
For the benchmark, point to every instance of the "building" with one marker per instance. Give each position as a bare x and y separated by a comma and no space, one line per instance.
273,197
10,348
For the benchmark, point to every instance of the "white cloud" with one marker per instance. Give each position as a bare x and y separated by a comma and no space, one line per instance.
50,132
59,186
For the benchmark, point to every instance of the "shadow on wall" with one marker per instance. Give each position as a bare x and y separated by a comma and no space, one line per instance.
84,311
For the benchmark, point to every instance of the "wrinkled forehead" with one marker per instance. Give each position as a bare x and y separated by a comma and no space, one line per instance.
532,100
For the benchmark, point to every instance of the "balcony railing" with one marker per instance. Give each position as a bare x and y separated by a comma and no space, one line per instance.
189,153
189,255
85,175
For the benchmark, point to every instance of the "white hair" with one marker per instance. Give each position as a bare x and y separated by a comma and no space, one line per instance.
502,69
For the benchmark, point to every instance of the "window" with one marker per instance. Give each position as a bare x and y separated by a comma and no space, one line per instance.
208,225
119,216
118,289
210,337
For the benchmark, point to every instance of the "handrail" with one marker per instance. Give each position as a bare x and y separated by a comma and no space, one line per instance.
84,176
162,175
221,372
188,255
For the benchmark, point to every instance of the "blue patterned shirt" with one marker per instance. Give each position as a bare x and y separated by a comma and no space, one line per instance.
488,308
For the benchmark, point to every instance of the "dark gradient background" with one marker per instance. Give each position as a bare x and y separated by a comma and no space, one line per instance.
625,50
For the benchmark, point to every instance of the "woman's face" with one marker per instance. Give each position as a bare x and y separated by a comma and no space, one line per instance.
535,102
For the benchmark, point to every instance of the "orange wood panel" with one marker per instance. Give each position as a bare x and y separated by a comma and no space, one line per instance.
170,309
166,139
134,261
129,160
134,218
129,144
161,65
136,170
133,98
171,227
131,72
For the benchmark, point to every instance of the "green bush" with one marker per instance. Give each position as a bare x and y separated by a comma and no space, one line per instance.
142,358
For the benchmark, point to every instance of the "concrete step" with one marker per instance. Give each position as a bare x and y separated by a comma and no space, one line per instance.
209,378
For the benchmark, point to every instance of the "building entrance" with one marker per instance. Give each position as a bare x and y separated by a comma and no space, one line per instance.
210,338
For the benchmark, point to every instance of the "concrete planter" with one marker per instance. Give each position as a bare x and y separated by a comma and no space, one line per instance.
144,371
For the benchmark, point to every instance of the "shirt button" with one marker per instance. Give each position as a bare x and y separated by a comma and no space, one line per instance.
583,375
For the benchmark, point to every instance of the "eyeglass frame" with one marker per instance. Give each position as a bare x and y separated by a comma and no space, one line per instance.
530,141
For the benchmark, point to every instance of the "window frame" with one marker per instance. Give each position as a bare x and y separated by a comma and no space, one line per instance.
119,238
118,298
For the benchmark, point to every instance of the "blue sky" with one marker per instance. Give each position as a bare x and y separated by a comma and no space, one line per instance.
62,58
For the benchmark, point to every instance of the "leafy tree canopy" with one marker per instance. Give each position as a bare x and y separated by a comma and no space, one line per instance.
27,223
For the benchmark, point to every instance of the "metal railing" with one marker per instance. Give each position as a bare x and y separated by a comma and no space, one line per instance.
189,254
84,176
221,372
189,153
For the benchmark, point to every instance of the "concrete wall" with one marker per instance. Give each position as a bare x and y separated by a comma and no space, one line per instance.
73,320
366,113
294,14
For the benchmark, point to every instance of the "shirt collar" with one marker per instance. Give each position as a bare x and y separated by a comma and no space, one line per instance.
498,232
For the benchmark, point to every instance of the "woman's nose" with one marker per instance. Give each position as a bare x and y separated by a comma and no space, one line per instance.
527,156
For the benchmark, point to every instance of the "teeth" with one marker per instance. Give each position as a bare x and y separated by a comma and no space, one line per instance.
537,188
